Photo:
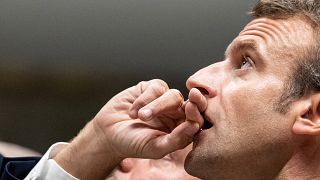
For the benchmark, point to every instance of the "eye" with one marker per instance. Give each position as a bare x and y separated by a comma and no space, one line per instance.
246,63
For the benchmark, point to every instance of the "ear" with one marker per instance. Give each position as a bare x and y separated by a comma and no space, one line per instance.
307,120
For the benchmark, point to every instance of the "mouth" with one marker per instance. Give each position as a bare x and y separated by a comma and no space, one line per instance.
207,124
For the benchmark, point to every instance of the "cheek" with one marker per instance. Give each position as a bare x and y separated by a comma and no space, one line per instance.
251,107
250,123
249,103
238,102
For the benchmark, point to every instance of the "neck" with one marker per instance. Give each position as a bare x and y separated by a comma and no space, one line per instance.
304,163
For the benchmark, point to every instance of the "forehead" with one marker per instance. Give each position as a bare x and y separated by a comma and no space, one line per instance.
275,39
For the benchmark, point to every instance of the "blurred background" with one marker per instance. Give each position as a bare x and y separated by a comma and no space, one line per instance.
61,60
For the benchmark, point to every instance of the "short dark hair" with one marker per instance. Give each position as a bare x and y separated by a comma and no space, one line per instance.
305,77
287,8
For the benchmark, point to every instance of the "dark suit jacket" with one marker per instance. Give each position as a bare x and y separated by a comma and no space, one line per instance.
15,168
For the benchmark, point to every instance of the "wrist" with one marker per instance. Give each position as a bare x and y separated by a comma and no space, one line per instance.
87,157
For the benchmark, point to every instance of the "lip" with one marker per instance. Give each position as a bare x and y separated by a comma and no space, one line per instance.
206,116
198,138
203,133
208,122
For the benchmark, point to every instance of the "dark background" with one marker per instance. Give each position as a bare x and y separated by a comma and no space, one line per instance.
61,60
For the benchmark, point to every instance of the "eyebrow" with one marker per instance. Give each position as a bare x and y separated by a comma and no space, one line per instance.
241,46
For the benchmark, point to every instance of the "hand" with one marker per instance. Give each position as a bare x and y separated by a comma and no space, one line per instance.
145,121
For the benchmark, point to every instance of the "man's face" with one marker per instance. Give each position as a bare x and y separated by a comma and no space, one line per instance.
249,139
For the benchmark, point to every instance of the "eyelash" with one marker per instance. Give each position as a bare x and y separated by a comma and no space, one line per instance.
245,60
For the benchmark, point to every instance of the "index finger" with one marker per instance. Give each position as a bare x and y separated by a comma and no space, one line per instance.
150,91
172,100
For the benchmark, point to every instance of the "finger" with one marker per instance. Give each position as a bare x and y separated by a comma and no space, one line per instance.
179,138
127,164
193,113
184,104
172,119
196,97
172,100
150,91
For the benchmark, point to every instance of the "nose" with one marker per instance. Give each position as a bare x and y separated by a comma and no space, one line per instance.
206,80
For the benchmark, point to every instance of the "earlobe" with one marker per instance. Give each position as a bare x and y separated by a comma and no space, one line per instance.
308,119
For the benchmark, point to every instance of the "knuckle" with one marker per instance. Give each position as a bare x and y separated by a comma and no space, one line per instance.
176,94
157,86
182,141
161,83
142,85
158,90
175,141
141,102
179,143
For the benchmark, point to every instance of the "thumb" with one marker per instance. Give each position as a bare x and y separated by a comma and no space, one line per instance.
179,138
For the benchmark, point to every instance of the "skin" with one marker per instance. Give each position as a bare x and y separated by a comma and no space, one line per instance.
249,139
124,129
172,164
14,150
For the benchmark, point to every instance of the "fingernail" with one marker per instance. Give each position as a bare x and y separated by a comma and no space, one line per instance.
147,113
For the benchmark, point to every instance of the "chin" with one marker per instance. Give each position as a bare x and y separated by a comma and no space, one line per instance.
195,166
200,164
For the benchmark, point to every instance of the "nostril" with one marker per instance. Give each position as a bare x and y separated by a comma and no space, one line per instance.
203,90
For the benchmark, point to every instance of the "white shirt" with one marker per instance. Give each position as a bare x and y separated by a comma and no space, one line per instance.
47,168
